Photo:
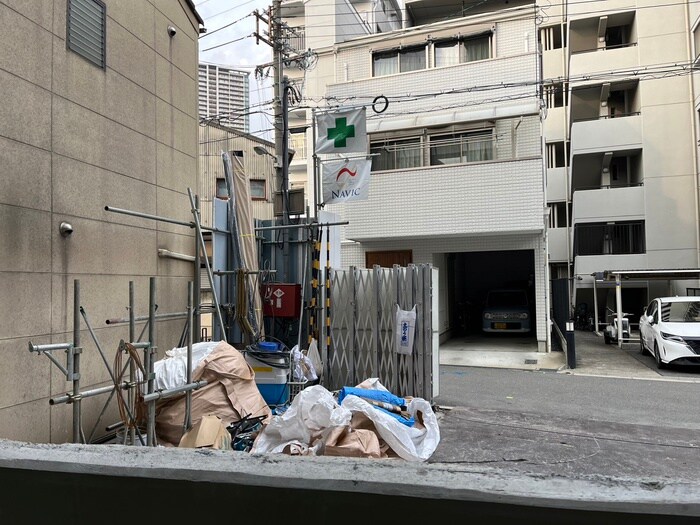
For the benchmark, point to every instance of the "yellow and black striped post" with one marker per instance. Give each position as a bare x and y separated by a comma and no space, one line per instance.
316,265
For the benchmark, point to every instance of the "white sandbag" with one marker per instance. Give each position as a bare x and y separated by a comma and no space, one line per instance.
404,328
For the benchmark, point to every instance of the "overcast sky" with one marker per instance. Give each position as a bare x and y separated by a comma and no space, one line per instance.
243,54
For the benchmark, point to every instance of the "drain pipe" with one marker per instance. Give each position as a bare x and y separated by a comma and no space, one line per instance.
693,133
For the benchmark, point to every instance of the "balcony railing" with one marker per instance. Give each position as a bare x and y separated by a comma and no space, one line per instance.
609,239
608,186
606,48
605,117
298,143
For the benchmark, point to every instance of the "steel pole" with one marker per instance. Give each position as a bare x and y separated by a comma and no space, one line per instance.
131,393
76,363
150,430
618,299
595,303
188,395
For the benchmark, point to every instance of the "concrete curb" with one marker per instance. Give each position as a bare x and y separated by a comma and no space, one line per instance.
440,481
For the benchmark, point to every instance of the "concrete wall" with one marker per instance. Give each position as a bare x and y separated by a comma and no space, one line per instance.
73,139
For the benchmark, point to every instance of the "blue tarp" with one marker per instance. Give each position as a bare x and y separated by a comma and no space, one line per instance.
377,395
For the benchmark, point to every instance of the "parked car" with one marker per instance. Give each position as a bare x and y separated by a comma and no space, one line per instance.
670,330
506,311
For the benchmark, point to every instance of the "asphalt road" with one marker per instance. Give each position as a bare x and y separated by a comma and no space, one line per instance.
659,403
561,426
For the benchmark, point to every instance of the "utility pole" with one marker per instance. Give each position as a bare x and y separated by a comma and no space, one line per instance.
281,120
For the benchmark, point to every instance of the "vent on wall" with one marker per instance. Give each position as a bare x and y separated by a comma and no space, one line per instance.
86,30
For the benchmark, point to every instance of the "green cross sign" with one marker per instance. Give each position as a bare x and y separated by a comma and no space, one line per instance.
341,132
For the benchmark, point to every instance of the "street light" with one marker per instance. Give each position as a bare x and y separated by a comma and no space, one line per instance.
263,151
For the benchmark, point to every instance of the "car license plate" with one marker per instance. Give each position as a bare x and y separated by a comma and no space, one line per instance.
499,326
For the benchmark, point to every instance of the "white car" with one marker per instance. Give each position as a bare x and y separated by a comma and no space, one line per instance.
670,330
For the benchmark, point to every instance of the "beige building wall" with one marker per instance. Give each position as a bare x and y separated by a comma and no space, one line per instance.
215,139
75,138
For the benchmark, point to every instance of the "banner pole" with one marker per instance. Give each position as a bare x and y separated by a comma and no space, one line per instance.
317,182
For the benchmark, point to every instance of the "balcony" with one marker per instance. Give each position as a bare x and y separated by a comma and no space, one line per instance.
556,184
615,59
607,42
607,204
586,265
606,134
557,238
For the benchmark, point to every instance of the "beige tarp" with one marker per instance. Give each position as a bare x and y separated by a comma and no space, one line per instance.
231,393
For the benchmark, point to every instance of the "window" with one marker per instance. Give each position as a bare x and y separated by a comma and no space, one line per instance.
86,30
399,61
397,154
457,51
258,189
474,146
433,149
221,189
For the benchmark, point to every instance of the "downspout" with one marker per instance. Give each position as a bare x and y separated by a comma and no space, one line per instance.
689,50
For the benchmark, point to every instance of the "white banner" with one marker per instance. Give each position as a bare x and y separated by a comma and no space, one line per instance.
405,329
343,131
346,180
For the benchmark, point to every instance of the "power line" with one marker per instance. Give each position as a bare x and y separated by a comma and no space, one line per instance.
226,43
208,33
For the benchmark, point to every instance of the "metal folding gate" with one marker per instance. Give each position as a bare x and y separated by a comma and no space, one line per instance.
362,310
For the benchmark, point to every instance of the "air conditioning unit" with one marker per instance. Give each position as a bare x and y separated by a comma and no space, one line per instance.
297,204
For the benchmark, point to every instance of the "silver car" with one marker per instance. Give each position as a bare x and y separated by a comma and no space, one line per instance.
670,330
506,311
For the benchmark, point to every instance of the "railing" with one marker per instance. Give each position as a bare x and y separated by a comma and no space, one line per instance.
298,143
608,186
604,117
296,38
606,48
609,239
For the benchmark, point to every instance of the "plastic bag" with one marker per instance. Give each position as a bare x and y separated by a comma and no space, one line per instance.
404,329
313,410
303,368
315,358
416,443
171,371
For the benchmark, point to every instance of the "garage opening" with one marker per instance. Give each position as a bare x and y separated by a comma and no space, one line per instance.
471,275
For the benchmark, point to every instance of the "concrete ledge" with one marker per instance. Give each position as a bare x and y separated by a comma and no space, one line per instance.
171,484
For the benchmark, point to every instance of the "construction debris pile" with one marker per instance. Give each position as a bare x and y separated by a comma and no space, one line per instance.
234,411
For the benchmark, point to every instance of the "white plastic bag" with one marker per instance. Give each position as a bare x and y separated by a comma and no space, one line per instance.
303,367
315,358
313,410
404,329
171,371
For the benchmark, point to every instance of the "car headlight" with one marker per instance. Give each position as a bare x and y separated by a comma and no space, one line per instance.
523,316
674,338
488,316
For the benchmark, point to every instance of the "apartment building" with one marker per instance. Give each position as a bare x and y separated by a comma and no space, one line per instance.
99,109
318,25
457,166
621,146
224,95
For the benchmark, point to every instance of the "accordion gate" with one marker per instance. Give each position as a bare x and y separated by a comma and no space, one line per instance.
362,323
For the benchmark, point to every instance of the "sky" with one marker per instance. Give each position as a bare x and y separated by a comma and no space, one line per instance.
243,54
